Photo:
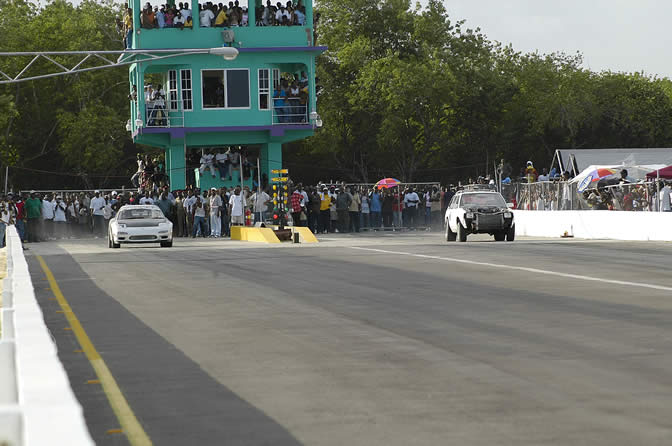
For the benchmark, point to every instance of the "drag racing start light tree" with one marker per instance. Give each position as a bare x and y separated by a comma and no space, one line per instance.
280,197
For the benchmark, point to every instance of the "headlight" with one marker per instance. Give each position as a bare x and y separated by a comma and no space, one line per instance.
469,215
508,215
121,226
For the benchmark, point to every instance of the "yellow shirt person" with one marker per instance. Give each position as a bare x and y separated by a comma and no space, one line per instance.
325,202
221,18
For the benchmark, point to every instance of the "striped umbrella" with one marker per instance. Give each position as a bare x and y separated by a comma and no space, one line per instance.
387,183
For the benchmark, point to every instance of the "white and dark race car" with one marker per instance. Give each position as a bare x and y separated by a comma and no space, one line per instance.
479,212
140,224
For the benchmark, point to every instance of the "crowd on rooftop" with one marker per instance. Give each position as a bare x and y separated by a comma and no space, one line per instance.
215,15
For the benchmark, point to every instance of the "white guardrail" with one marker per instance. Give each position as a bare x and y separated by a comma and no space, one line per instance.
37,404
614,225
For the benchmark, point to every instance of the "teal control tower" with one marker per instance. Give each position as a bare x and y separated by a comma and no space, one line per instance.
219,88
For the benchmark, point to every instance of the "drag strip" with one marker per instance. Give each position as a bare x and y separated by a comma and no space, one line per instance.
377,340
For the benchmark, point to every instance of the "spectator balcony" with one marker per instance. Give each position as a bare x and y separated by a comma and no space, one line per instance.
250,36
172,115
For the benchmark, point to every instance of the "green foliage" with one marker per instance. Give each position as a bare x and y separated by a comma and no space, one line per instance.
411,94
405,92
64,124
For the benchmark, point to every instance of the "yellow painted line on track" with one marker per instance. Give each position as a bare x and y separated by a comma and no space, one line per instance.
129,423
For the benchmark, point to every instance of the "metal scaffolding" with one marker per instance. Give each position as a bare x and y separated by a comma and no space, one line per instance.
104,59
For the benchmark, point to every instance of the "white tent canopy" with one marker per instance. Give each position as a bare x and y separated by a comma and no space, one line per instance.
578,160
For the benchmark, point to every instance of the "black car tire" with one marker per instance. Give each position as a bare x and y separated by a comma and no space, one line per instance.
111,243
450,235
167,244
511,234
461,232
500,236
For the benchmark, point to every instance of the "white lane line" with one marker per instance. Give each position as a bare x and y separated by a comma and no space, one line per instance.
520,268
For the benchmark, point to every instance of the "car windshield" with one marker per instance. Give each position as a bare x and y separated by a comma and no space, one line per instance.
136,214
488,199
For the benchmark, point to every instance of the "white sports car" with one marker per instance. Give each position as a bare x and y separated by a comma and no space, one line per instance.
140,224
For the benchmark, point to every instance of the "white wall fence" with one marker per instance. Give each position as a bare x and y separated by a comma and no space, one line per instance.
37,405
614,225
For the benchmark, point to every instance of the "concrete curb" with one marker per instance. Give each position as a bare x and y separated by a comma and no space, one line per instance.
37,404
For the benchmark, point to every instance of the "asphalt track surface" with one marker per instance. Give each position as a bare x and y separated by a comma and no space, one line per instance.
381,339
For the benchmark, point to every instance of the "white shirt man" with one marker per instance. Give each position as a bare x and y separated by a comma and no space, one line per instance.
73,209
411,199
665,204
237,203
220,160
5,216
189,204
260,200
159,98
207,163
97,206
186,12
282,12
206,16
221,157
59,210
48,209
199,211
215,220
146,200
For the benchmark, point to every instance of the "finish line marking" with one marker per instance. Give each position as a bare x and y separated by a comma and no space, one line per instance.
129,423
520,268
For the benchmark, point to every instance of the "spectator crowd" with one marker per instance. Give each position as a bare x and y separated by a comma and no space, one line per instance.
44,216
324,208
220,15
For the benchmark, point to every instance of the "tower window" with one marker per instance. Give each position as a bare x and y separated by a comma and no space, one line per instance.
226,88
186,89
264,89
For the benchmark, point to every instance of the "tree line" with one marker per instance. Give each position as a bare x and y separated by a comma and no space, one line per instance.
404,91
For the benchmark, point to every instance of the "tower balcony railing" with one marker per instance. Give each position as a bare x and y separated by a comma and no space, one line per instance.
158,115
290,112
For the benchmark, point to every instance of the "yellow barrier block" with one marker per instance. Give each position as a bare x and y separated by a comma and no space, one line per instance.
253,234
306,234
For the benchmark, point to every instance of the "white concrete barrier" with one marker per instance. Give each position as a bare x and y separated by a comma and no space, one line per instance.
614,225
10,426
44,410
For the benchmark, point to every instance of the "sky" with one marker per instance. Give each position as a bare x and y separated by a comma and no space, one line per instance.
616,35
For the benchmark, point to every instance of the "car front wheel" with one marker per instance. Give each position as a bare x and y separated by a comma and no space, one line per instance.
499,236
450,235
167,244
511,234
110,241
461,232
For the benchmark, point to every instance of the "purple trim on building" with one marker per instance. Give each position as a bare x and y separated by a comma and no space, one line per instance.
273,49
180,132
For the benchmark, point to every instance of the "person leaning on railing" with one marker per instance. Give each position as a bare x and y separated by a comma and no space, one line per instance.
128,28
147,17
